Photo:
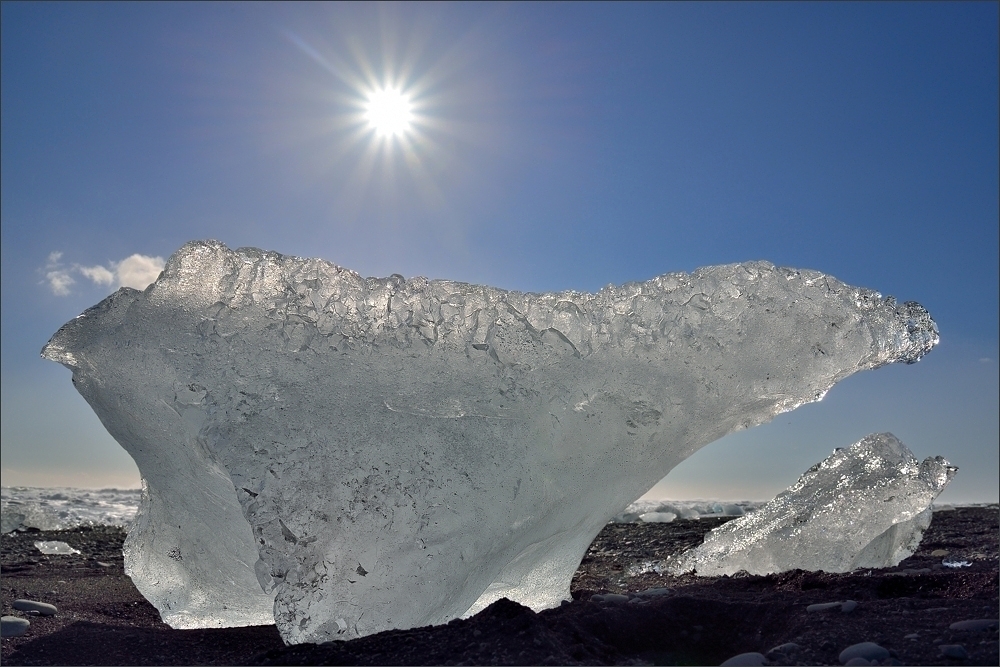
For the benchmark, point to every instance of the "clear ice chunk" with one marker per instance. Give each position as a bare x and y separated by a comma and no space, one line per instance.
376,453
865,506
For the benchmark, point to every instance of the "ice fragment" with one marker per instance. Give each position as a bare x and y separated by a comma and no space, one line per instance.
296,423
866,505
55,548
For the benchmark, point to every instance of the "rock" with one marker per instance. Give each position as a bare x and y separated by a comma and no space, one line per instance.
865,650
866,505
458,443
41,608
823,606
13,626
611,598
955,651
975,625
746,659
859,662
940,553
654,592
848,606
782,652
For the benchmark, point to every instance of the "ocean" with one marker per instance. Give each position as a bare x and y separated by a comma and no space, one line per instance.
61,508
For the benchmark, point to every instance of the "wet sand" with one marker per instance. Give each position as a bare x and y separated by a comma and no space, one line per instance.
103,620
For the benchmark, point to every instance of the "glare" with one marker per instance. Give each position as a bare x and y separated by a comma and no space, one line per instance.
389,112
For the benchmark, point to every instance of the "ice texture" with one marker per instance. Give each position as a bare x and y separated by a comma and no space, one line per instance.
866,505
404,452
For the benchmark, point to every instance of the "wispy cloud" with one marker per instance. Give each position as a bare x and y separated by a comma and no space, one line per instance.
136,271
57,275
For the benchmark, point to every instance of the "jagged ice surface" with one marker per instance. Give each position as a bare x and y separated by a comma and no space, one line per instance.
404,452
866,505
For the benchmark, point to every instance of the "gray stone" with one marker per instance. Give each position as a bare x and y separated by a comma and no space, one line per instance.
976,625
782,652
13,626
612,598
858,661
956,651
654,592
823,606
41,608
848,606
746,659
867,650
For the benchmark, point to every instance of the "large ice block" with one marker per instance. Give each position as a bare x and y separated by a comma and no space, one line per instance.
407,451
866,505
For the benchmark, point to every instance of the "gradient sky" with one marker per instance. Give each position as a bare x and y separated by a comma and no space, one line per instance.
559,146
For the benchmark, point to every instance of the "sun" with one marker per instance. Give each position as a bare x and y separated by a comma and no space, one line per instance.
389,112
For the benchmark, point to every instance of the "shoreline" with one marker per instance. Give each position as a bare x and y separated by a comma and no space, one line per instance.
102,619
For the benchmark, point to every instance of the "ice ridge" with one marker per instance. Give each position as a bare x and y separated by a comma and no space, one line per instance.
371,453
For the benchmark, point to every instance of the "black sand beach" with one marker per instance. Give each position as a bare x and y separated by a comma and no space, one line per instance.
908,610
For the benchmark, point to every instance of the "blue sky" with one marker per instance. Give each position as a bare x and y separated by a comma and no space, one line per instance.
557,146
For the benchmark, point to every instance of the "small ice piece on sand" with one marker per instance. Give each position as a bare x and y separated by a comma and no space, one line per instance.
956,563
42,608
865,650
657,517
13,626
55,548
864,506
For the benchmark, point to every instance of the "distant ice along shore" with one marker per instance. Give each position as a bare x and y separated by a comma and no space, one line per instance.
61,508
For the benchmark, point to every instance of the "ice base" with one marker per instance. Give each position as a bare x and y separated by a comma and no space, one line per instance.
376,453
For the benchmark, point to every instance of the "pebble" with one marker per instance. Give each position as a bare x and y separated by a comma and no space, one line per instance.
848,606
41,608
940,553
913,636
12,626
909,573
823,606
746,659
866,650
977,625
613,598
654,592
783,651
858,661
956,651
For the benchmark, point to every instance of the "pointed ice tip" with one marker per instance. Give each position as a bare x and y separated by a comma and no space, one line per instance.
921,331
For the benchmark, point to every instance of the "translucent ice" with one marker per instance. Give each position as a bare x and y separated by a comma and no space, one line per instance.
864,506
407,451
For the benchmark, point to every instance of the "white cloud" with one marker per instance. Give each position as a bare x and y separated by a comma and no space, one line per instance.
98,274
136,271
59,281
